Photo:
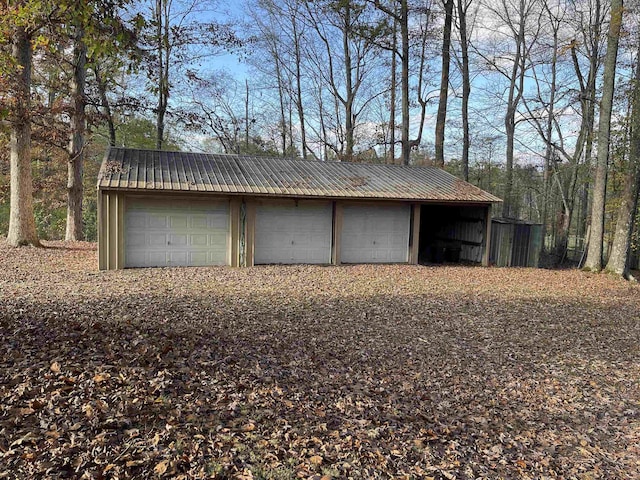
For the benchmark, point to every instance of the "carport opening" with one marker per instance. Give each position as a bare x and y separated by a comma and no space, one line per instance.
451,234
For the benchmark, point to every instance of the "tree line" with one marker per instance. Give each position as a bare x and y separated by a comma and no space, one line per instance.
541,93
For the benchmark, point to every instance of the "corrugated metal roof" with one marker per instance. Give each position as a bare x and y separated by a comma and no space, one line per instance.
131,169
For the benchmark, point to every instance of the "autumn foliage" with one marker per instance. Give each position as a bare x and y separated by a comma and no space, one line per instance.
314,372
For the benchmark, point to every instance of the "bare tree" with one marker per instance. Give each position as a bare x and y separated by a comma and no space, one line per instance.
444,83
522,20
463,9
345,65
175,40
618,262
593,261
398,13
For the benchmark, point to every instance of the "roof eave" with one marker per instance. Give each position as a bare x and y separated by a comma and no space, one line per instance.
301,195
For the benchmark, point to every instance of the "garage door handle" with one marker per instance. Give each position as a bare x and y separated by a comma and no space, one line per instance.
291,242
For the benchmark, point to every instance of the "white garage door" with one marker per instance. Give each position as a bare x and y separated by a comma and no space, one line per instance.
373,234
293,234
162,233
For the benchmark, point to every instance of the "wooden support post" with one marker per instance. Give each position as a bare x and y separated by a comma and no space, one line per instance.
102,262
120,205
337,233
250,231
487,240
415,234
110,230
234,234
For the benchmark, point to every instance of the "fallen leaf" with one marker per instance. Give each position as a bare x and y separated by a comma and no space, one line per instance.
161,467
101,377
248,427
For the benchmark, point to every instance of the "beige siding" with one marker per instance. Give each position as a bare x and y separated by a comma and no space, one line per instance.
110,230
111,208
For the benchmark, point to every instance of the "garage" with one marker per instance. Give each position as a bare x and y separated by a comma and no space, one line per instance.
375,233
161,208
295,232
168,233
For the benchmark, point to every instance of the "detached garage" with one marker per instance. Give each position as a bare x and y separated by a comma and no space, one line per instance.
159,209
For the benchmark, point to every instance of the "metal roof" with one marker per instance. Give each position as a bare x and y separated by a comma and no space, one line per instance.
154,170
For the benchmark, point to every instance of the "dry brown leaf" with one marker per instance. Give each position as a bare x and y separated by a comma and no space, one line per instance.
248,427
101,377
161,467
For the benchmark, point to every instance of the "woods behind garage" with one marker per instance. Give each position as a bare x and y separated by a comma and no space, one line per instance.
159,208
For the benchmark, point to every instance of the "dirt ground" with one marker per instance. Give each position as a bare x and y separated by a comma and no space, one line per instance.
277,372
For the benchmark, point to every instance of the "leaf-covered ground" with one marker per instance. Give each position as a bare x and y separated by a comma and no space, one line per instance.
322,372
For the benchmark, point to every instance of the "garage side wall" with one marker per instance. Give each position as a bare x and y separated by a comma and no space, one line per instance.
110,230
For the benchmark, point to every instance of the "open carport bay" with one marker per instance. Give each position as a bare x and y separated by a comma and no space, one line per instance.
452,234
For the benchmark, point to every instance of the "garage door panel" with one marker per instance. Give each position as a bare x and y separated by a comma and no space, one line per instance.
136,259
176,233
199,221
199,240
178,240
219,221
216,239
136,220
156,220
198,259
293,234
397,240
157,239
178,221
156,258
375,234
178,258
136,239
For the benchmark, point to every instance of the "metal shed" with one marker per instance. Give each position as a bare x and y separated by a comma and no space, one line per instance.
158,208
515,243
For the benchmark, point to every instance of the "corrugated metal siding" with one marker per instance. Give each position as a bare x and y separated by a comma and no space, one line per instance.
515,244
239,174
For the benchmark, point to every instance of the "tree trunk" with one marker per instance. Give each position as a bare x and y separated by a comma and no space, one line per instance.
618,263
594,253
77,142
246,116
22,224
391,156
106,106
163,53
299,103
404,33
444,84
466,87
549,154
283,118
349,94
509,119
